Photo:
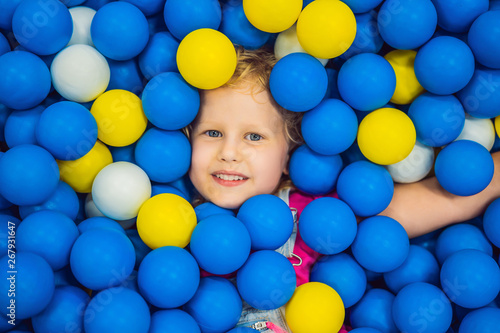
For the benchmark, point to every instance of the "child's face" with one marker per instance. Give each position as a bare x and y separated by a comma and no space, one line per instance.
237,134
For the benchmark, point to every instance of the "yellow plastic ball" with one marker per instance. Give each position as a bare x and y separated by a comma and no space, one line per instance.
326,28
80,173
272,15
386,136
120,118
166,220
315,307
407,86
206,58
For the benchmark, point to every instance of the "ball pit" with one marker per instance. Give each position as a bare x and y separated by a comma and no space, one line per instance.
139,66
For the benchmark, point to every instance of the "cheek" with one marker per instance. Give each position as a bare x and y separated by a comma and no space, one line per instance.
199,160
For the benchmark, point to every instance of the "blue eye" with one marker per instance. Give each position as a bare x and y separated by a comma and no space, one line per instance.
213,133
255,137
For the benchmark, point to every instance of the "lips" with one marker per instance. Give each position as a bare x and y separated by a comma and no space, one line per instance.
229,178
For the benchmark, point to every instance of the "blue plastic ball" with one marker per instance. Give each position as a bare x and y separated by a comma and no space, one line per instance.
422,307
25,80
172,287
117,310
64,277
216,306
28,175
381,244
49,234
374,310
4,45
99,222
314,173
419,266
366,81
438,119
207,209
494,4
220,244
119,30
123,154
362,6
342,273
67,130
470,278
33,284
238,29
368,39
484,38
460,237
365,330
164,155
125,75
328,225
20,127
330,128
366,187
96,4
481,97
42,27
141,249
64,200
185,16
491,222
159,55
63,312
173,321
148,7
458,16
4,114
169,102
298,82
268,220
7,221
333,90
407,24
161,188
267,280
464,168
184,185
8,8
102,258
444,65
484,320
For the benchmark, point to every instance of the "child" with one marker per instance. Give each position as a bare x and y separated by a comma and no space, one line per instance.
241,144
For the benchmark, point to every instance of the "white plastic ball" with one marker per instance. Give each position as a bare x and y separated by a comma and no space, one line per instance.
479,130
92,211
287,42
80,73
82,19
415,166
120,189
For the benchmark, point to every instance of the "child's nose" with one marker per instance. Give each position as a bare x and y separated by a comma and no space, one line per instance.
230,151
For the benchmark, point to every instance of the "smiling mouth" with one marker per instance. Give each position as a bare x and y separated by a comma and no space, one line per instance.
229,180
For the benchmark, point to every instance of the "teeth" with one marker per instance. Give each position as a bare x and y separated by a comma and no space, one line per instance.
228,177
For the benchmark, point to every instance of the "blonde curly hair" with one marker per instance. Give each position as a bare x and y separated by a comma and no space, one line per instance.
253,70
